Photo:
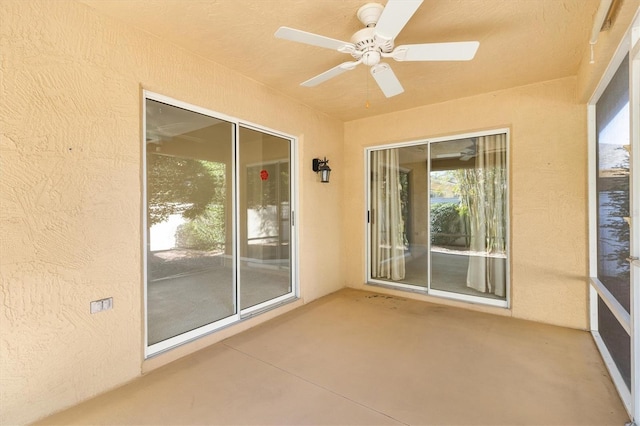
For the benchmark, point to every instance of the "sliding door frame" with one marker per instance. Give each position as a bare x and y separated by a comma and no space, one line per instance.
240,314
369,280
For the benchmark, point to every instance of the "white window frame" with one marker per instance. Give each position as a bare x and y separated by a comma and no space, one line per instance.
241,314
428,290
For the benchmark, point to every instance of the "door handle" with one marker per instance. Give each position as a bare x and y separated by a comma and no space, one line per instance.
632,259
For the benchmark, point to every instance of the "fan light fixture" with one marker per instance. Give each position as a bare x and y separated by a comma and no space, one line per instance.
321,166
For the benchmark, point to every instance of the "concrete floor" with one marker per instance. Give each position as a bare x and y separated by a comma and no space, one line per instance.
356,357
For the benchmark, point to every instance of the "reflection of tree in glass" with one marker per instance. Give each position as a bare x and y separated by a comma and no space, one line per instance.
181,186
482,192
613,194
284,182
446,223
205,232
404,206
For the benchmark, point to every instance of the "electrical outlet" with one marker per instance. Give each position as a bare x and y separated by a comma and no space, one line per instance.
107,303
96,306
101,305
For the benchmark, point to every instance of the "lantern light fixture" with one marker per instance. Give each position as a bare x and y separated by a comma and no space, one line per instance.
322,167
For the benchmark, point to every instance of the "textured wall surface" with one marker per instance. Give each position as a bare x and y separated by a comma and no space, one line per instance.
590,73
548,189
70,192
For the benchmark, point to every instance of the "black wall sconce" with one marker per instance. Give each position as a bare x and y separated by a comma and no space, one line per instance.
322,167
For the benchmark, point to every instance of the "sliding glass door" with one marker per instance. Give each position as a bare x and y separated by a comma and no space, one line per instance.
438,217
218,231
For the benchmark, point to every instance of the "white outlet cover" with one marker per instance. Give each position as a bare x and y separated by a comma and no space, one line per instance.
96,306
107,303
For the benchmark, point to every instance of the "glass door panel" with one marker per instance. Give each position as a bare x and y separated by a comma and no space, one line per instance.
189,220
468,212
617,340
264,197
612,185
399,241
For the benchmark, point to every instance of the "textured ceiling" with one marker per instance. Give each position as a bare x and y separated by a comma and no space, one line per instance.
521,42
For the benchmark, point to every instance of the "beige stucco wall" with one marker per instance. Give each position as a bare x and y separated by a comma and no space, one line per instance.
70,194
548,190
590,73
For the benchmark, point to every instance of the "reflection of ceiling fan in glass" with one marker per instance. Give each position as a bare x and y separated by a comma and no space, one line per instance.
165,122
369,45
469,152
464,154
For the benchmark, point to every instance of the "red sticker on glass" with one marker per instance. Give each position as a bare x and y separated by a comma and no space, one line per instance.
264,175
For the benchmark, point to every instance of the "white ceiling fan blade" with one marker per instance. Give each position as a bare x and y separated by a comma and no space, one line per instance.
300,36
333,72
386,79
394,17
456,51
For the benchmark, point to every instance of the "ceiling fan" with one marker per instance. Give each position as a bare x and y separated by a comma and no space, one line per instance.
369,45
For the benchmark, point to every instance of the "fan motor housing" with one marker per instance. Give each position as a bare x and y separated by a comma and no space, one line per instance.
365,40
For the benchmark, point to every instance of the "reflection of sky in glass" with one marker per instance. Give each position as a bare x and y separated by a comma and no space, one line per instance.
162,236
611,140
